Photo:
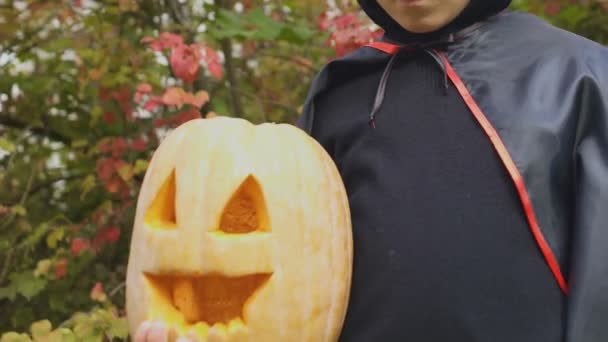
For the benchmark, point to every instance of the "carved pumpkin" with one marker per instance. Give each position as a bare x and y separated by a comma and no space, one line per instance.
242,233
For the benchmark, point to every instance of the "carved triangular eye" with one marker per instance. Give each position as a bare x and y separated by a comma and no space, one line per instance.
161,213
246,211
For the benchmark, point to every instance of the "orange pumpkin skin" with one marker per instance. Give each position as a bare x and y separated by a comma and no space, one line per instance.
242,233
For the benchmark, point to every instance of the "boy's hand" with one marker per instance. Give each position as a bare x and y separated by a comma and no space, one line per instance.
157,331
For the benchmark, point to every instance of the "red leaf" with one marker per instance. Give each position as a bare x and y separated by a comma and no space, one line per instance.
160,122
185,62
153,104
186,116
105,168
61,268
138,145
79,245
144,88
112,234
109,117
348,32
119,147
166,40
213,61
113,185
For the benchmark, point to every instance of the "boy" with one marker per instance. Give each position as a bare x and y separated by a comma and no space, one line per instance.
473,143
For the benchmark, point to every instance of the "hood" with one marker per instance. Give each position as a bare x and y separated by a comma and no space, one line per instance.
477,10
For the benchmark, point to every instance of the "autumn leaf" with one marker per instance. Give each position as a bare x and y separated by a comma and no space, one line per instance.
199,99
173,96
109,117
185,62
153,103
144,88
176,96
79,245
97,293
41,329
42,267
166,40
213,62
61,268
138,145
126,172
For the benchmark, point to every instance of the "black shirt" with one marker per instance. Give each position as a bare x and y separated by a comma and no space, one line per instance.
442,248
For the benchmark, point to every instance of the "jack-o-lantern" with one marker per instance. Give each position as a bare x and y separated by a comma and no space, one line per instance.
242,233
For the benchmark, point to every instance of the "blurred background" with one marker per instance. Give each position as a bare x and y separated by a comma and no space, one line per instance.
87,90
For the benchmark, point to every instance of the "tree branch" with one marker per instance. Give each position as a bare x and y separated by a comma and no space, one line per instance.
292,59
237,105
50,182
226,44
41,131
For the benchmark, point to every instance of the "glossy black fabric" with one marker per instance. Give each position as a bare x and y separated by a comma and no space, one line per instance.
546,93
442,248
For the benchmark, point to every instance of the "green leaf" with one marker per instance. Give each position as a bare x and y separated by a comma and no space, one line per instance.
7,145
57,301
96,114
83,328
267,29
37,235
19,210
79,143
61,335
126,172
4,244
141,166
41,329
297,34
15,337
9,292
27,284
119,328
87,185
54,237
23,316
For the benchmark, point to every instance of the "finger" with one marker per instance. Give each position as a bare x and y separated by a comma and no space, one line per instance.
142,332
190,337
158,332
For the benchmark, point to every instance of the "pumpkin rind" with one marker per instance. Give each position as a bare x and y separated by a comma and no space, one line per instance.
244,228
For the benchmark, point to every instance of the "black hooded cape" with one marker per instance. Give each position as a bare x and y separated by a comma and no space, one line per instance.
539,95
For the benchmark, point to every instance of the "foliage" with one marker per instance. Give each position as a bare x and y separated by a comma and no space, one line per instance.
588,18
88,88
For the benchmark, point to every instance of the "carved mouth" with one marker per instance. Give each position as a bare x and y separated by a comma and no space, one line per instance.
207,299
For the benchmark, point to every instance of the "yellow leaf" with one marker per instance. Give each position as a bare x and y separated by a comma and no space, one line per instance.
40,329
141,165
126,172
54,237
19,210
87,185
